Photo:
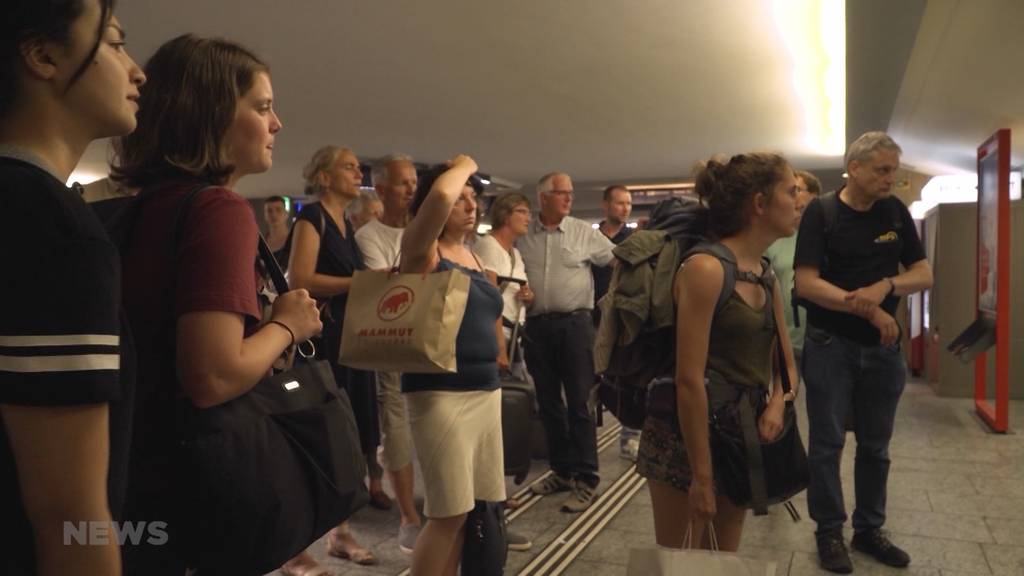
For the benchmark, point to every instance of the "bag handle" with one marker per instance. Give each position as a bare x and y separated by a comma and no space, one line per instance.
273,268
688,537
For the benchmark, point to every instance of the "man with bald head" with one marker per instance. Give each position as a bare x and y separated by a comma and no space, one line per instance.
559,251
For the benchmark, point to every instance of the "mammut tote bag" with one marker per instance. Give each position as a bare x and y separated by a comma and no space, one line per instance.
403,322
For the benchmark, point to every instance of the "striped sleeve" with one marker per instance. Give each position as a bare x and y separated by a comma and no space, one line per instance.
60,333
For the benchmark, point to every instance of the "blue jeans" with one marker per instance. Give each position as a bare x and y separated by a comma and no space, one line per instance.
840,374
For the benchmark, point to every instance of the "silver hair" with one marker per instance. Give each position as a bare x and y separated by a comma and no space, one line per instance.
544,184
379,172
867,143
365,196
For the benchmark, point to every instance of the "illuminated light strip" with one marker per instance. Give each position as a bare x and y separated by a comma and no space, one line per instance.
819,67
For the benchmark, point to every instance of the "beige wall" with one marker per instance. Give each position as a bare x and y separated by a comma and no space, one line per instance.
953,297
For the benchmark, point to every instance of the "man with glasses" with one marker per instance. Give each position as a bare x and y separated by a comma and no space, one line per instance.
559,251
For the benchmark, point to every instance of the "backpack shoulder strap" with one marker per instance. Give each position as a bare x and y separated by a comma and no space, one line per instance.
728,261
829,210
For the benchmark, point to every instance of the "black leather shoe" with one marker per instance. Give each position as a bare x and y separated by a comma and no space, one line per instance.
876,544
833,555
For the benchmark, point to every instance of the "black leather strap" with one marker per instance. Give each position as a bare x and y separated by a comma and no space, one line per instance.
755,462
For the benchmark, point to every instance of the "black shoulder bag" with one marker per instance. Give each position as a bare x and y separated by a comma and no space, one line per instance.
266,474
753,473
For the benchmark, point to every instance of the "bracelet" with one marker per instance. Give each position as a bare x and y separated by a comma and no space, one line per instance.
285,326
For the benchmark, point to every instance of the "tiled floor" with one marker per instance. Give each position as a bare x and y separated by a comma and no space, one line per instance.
956,504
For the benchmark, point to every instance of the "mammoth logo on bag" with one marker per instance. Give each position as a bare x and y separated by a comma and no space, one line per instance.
394,303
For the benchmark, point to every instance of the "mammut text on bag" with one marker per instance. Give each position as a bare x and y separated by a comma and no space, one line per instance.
403,322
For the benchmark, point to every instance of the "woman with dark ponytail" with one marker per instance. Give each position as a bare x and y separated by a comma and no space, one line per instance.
65,80
751,203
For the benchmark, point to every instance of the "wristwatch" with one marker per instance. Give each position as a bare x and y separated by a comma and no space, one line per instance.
789,396
892,287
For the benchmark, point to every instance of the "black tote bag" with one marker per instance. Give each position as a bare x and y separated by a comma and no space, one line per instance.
265,475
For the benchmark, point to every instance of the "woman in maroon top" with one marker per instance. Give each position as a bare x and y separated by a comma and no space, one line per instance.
208,121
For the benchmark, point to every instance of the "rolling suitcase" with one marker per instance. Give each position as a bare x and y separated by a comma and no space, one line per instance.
518,413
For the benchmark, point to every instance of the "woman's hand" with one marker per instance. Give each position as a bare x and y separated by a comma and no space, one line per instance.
463,161
702,500
769,426
299,312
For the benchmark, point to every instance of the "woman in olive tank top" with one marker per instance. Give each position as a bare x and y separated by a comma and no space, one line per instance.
751,203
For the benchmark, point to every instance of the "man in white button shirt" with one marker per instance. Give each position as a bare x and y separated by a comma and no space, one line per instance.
559,251
394,178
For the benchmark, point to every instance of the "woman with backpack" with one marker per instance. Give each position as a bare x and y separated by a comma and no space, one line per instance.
750,202
207,120
65,398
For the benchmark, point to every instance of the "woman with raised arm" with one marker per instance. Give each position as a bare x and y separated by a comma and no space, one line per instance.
751,203
455,418
65,398
208,121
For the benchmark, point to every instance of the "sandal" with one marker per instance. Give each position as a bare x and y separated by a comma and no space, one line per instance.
305,568
359,555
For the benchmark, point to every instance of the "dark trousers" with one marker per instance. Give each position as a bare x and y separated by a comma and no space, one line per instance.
560,357
840,374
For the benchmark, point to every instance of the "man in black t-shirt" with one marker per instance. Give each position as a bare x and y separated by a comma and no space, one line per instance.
851,246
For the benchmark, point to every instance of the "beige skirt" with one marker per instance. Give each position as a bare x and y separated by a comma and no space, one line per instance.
457,436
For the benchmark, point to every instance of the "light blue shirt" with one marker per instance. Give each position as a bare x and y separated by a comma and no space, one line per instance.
558,264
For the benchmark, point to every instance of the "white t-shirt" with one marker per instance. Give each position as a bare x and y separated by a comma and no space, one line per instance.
380,244
496,259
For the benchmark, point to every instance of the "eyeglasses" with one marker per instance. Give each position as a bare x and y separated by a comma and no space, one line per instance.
566,193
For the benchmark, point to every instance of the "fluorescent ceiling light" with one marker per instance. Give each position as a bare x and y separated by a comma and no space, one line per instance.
814,32
955,189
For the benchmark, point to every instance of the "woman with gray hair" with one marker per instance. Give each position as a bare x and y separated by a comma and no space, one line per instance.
510,220
323,259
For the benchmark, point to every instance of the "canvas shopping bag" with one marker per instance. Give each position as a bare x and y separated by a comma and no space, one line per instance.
662,561
403,322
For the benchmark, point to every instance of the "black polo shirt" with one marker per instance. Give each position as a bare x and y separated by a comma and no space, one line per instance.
60,327
861,249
